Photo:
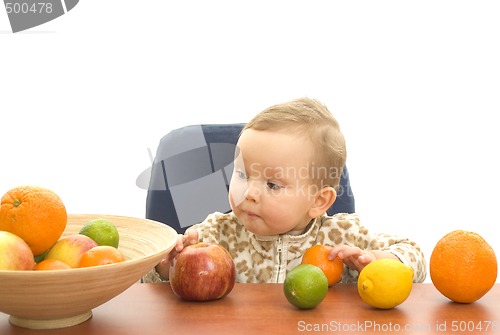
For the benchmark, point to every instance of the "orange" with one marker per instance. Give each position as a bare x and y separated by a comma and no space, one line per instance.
52,264
35,214
463,266
318,255
101,255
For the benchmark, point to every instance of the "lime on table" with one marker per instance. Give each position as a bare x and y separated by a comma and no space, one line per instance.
305,286
102,231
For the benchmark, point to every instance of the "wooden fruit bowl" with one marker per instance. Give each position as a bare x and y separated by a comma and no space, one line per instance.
62,298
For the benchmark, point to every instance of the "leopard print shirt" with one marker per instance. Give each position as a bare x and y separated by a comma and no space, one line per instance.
267,259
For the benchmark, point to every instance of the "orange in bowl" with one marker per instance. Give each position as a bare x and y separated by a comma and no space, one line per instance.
51,264
101,255
35,214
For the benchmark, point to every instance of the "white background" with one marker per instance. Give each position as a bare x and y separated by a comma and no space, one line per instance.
414,85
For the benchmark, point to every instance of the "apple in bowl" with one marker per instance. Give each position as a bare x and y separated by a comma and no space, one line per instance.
15,254
70,249
202,272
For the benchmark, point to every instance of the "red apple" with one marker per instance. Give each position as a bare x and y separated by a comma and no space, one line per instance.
15,254
202,271
70,249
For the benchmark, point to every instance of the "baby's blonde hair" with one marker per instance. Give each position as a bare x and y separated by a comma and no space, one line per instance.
309,118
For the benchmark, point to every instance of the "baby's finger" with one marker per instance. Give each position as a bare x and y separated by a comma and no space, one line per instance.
350,253
192,236
336,251
179,243
363,260
366,258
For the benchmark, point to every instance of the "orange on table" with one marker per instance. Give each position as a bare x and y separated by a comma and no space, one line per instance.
51,264
101,255
318,255
463,266
36,214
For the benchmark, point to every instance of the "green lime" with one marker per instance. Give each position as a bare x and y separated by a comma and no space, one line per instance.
102,231
305,286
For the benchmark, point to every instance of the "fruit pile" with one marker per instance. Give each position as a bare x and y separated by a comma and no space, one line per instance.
32,221
463,268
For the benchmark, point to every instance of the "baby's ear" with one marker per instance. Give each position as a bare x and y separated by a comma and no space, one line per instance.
324,200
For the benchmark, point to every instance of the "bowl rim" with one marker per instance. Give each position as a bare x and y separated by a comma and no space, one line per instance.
131,262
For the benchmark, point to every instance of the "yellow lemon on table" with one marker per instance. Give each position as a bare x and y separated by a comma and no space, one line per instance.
385,283
305,286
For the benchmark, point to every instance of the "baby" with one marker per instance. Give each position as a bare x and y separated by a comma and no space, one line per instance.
287,169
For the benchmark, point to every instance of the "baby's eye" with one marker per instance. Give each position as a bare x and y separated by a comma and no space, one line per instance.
241,174
273,186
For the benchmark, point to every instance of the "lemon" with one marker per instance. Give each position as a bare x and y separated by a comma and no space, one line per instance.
102,231
385,283
305,286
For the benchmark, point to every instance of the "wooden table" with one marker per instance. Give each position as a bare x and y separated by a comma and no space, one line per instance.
152,309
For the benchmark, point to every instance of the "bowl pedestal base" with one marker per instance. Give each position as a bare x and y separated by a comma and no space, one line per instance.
50,324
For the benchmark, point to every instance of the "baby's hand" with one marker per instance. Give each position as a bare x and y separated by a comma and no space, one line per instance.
353,257
189,237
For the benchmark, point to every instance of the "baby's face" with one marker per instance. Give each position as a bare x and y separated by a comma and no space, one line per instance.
271,190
